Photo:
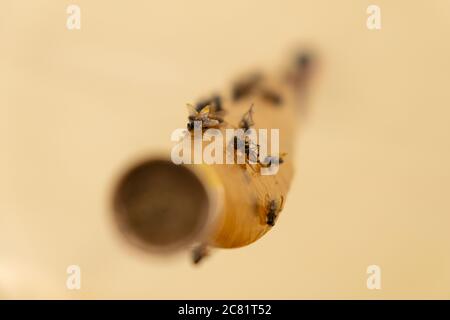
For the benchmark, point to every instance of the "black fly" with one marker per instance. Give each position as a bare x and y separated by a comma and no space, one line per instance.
273,208
199,252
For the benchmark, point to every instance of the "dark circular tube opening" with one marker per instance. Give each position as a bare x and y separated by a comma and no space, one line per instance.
161,206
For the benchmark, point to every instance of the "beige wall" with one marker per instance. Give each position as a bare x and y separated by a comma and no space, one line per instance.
373,178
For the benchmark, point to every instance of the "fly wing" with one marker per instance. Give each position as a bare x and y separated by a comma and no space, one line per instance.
248,117
205,111
253,150
191,110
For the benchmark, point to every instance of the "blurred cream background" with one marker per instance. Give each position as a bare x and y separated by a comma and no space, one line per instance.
373,180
